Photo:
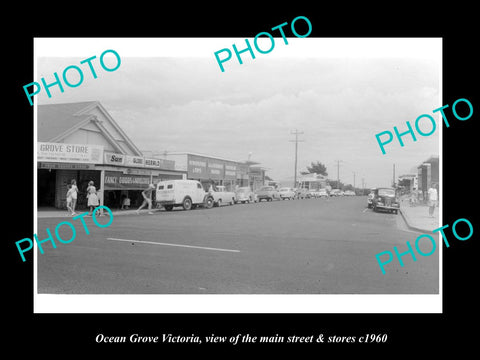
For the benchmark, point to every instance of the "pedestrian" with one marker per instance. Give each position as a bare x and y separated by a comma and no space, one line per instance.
125,202
92,197
74,195
147,199
69,199
432,199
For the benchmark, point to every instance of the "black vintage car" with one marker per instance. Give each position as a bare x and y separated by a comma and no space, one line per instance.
385,199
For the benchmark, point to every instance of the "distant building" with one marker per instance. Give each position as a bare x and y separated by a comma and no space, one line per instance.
411,180
207,168
312,181
428,173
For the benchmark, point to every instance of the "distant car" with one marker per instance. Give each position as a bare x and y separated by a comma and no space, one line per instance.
286,193
222,196
245,195
313,193
349,193
335,192
341,193
385,199
322,193
267,193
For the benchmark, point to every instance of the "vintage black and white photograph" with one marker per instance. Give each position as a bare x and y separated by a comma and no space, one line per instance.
291,181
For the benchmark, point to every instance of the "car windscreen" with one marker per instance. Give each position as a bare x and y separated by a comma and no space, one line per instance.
386,192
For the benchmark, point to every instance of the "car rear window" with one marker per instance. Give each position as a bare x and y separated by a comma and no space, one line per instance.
170,186
160,187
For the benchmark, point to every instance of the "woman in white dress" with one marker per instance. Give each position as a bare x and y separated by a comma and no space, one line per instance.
92,197
74,195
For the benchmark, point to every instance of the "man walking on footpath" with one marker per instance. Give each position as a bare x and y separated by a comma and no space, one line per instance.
147,199
432,199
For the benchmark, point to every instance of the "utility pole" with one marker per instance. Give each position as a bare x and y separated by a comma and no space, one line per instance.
354,181
338,174
393,175
296,141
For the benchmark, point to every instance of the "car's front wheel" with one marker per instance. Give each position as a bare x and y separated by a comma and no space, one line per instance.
208,204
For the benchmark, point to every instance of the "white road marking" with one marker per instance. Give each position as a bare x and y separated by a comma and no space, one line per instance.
178,245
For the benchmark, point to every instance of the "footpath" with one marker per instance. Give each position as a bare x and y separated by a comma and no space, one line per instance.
58,213
417,217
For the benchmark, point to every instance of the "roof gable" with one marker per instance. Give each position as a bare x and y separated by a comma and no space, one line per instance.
57,121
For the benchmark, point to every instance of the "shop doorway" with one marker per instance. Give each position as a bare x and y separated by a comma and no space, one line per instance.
46,187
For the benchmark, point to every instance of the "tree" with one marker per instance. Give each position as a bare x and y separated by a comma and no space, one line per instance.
317,168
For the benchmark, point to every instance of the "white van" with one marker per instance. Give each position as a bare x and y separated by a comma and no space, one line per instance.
186,193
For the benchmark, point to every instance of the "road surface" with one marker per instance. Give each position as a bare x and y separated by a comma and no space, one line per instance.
311,246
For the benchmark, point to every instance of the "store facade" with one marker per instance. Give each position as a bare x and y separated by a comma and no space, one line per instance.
82,142
206,169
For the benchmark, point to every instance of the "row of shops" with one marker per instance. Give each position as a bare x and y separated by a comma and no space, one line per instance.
82,142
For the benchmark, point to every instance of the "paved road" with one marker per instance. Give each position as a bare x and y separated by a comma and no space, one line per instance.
307,246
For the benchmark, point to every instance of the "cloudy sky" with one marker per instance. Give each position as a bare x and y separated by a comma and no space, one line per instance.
172,96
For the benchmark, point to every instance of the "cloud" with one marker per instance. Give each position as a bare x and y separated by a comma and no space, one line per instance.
186,104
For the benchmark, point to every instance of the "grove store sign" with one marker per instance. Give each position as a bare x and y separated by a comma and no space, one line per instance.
71,153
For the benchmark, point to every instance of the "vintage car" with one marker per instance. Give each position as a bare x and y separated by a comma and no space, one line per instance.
349,193
267,193
322,193
245,195
222,196
385,199
314,193
335,192
186,193
286,193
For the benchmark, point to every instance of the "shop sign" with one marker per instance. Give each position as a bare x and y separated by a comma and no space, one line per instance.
160,164
215,170
197,168
138,161
114,159
65,166
117,180
70,153
134,161
230,171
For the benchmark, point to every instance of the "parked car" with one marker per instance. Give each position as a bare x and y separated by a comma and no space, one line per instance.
186,193
286,193
335,192
245,195
323,193
385,199
349,193
267,193
222,196
313,193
